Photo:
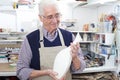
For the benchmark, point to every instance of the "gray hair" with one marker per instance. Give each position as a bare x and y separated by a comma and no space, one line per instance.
44,3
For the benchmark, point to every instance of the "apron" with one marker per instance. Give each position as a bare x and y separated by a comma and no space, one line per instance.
47,56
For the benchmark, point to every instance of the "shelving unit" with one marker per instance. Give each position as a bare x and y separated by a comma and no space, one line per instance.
106,40
93,46
10,43
12,37
9,46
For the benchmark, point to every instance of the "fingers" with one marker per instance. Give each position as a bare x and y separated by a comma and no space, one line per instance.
74,47
52,74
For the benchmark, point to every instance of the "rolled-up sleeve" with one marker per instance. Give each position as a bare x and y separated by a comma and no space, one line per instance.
25,55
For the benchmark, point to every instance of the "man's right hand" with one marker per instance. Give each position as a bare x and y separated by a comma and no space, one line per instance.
52,74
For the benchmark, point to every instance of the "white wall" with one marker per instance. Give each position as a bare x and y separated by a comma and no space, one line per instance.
91,14
106,10
66,10
22,18
84,16
8,20
27,20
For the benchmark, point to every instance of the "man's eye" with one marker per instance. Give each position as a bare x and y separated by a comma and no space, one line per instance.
57,15
49,17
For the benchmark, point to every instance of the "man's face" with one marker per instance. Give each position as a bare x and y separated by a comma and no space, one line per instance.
51,18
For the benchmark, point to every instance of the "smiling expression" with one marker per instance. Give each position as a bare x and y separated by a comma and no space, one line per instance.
51,18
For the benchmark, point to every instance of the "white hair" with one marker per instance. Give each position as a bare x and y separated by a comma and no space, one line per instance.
44,3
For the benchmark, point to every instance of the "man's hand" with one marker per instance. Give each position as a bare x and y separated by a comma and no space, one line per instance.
74,50
52,74
75,57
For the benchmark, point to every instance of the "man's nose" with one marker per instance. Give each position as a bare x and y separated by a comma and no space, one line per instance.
54,19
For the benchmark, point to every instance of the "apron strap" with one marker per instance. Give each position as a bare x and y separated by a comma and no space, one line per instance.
41,37
61,37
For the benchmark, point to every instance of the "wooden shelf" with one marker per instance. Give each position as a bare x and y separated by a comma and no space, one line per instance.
7,70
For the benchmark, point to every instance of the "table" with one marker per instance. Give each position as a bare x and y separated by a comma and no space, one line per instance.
7,70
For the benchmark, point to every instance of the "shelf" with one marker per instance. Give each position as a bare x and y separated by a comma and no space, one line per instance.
78,3
8,73
103,33
72,3
7,10
105,44
83,31
87,41
100,69
11,36
97,69
104,55
12,33
69,21
3,33
7,70
11,40
98,3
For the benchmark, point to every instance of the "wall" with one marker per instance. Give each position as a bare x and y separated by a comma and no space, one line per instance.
27,18
8,20
89,14
65,10
23,18
84,16
108,9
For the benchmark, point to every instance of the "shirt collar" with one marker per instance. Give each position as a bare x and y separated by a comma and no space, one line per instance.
48,35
